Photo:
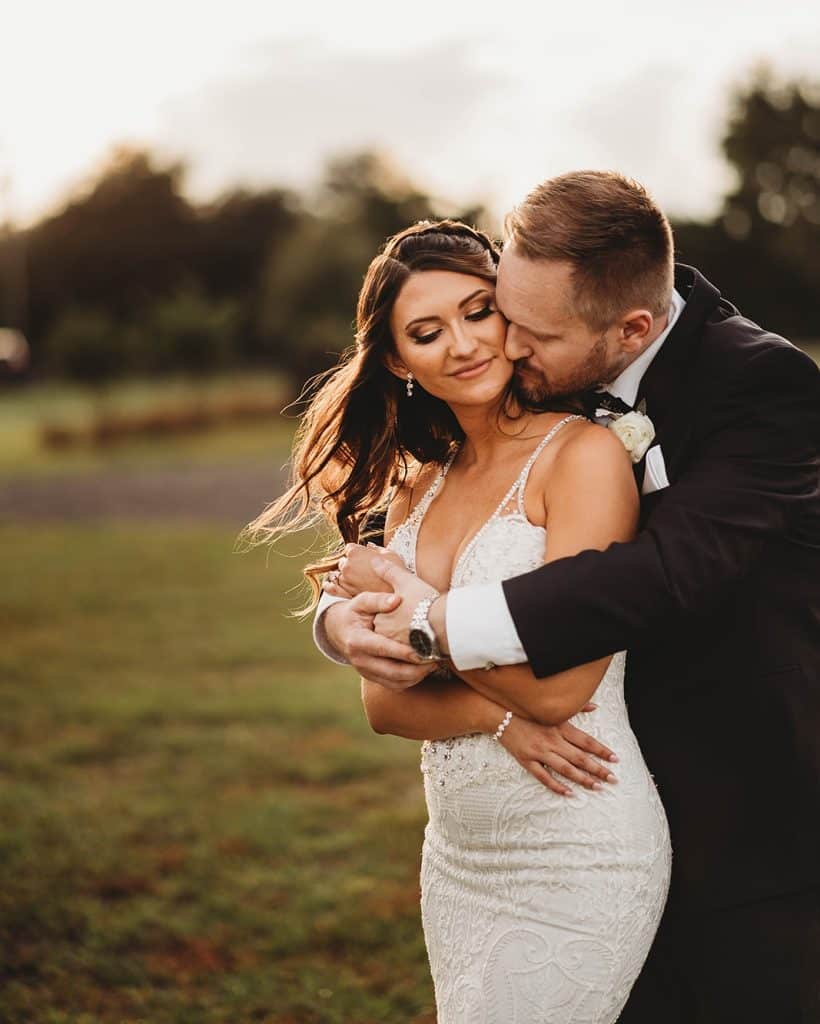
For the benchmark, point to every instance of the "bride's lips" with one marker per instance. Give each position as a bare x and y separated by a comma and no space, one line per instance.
472,371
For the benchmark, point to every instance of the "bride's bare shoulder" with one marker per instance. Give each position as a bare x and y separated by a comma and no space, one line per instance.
590,441
592,460
587,459
580,441
588,437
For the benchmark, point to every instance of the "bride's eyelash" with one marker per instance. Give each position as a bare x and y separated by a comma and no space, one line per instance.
480,314
424,339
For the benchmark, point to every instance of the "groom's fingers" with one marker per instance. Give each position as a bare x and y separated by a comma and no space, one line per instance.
371,603
393,675
364,643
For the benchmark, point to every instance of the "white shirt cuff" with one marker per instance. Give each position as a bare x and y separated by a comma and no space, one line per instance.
319,635
480,629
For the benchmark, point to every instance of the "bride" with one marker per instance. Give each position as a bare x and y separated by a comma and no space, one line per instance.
539,902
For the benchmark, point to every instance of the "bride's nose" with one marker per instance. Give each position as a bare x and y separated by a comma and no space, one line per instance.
462,342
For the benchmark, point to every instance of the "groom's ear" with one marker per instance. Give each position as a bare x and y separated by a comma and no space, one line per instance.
635,327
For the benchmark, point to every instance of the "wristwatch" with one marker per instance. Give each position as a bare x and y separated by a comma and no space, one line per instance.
423,638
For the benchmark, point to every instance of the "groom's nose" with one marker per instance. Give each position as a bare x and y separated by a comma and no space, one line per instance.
515,344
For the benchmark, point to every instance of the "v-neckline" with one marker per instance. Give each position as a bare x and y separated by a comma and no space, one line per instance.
435,489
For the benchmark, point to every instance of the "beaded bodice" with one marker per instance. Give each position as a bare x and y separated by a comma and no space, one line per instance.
507,529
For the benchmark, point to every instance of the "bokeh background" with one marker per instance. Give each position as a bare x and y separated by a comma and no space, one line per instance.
196,824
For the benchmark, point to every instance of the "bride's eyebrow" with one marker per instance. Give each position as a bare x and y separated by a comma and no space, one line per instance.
461,305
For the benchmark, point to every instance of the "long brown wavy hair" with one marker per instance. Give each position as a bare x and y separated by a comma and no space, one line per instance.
360,434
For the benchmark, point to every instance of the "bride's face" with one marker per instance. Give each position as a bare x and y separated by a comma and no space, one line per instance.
449,334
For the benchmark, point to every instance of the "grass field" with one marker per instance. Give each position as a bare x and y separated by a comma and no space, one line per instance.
196,824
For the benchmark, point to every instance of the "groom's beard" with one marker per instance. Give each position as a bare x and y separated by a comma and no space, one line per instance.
594,371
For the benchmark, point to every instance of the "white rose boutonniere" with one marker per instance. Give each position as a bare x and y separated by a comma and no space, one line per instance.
636,432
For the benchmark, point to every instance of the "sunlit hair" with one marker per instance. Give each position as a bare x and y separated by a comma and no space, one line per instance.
360,434
607,227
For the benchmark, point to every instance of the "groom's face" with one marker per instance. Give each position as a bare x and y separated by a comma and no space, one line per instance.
555,352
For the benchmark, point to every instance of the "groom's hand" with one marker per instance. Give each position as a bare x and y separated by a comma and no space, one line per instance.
349,628
395,623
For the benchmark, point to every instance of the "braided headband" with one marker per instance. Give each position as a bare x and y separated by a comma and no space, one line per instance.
446,227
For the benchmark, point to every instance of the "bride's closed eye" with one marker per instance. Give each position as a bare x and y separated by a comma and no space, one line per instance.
479,314
425,339
482,314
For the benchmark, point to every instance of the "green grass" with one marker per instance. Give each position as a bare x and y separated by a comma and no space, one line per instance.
196,824
24,410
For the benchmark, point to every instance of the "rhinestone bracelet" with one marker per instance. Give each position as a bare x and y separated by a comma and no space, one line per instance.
499,732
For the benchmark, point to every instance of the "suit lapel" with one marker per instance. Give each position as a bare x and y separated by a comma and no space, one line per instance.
668,385
639,469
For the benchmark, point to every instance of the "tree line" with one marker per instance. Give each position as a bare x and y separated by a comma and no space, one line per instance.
132,277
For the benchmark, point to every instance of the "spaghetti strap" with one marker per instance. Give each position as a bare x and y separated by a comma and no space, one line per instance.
524,476
426,499
518,485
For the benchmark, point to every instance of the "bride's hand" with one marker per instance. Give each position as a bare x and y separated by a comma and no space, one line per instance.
356,573
568,751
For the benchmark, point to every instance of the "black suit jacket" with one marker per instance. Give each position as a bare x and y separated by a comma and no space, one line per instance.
717,602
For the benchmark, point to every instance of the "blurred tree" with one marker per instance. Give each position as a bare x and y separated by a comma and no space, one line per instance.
237,235
313,279
129,238
132,239
189,332
773,143
81,346
762,249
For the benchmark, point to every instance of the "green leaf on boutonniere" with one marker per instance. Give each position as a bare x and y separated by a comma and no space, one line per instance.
641,407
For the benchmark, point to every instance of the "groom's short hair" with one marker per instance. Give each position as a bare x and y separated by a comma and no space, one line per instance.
618,242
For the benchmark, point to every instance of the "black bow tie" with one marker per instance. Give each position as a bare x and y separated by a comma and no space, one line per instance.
594,400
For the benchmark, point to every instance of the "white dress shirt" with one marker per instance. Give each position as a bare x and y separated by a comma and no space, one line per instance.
496,642
320,637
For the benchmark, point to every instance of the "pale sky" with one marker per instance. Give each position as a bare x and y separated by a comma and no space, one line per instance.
476,103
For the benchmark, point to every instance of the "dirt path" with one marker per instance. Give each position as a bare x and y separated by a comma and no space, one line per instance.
232,493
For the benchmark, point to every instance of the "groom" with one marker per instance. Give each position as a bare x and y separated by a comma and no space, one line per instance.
717,600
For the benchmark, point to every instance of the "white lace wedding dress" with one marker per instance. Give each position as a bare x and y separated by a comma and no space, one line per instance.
537,908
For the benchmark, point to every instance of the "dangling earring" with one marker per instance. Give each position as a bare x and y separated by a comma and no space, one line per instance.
409,385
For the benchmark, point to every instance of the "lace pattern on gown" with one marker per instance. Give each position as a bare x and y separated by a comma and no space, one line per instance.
535,907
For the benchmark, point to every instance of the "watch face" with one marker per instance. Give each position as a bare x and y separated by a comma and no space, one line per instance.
421,643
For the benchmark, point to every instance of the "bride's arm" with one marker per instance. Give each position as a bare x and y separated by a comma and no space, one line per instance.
432,710
439,708
591,501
